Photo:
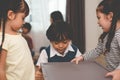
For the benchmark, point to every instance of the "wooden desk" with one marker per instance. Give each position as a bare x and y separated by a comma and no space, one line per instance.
71,71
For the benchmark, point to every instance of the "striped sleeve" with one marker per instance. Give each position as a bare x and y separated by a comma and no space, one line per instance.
94,53
118,40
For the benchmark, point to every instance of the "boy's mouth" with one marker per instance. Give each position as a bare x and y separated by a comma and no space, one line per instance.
60,50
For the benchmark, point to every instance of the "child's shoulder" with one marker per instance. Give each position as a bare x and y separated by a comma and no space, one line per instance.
44,49
117,33
74,47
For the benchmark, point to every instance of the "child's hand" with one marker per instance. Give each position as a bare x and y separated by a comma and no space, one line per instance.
115,74
38,75
77,59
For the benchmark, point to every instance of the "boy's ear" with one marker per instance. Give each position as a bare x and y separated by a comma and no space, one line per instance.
11,15
110,16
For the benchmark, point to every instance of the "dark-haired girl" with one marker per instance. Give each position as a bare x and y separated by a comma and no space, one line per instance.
15,57
108,14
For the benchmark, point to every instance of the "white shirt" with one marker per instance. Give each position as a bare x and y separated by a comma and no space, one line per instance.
19,63
43,58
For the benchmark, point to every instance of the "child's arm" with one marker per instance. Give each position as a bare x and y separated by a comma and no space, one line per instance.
38,74
115,74
3,56
42,59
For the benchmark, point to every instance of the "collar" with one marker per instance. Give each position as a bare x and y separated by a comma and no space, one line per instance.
53,52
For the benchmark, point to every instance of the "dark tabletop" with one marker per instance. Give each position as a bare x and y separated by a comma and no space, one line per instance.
88,70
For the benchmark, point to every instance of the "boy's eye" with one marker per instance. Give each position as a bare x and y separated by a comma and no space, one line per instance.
65,41
56,42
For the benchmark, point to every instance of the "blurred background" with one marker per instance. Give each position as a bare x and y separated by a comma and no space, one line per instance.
81,14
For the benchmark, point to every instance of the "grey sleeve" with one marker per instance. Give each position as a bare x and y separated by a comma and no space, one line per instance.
94,53
118,40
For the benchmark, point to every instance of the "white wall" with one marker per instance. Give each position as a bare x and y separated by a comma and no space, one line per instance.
93,31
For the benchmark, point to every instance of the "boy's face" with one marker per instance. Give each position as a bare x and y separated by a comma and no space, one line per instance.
60,46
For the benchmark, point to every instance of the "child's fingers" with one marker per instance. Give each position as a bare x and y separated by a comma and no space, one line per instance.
75,60
109,74
38,74
72,60
114,74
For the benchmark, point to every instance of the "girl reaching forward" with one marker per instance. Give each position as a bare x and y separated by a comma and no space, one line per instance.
108,14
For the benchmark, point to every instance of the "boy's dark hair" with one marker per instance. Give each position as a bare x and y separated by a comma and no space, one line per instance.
107,6
59,31
27,26
57,16
14,5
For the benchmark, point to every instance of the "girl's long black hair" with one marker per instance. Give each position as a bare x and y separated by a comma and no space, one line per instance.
107,6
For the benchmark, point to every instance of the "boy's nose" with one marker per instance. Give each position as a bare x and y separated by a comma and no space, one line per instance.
60,45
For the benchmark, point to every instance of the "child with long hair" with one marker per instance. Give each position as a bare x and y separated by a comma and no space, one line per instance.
15,57
108,14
